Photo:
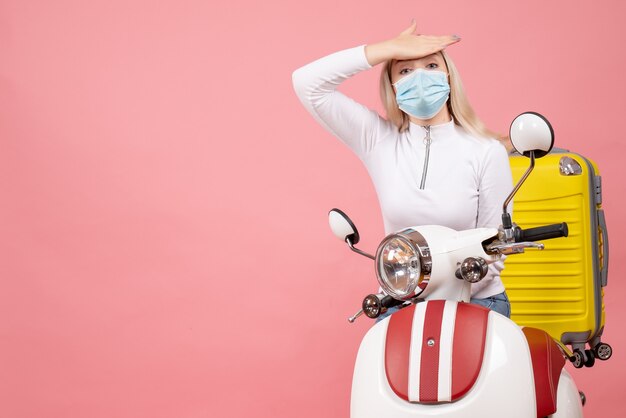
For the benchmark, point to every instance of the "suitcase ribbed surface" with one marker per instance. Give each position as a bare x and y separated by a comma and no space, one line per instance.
558,289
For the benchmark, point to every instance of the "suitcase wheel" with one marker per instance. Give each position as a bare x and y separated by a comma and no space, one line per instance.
591,358
603,351
578,359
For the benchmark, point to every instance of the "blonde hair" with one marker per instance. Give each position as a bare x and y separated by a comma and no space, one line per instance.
458,105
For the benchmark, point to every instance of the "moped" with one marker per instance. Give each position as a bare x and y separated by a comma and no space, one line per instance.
440,356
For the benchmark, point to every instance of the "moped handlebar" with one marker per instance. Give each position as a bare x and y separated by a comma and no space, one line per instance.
541,233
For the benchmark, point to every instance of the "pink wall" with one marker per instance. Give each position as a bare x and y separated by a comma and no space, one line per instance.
164,246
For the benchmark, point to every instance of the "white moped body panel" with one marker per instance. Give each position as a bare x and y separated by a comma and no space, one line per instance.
448,248
568,399
505,385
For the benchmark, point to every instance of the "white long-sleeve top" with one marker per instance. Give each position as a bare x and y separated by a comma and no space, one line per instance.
467,179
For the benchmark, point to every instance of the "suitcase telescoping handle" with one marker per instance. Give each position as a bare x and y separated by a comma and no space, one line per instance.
541,232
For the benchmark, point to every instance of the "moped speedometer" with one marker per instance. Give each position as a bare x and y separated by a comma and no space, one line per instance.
403,264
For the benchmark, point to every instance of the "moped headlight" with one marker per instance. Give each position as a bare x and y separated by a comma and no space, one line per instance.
403,264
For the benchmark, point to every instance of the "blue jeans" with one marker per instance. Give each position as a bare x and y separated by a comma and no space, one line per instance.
497,303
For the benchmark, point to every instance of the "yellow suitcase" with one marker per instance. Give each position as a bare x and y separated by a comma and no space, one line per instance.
560,289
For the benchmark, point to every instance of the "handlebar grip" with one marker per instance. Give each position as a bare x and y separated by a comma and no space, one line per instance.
541,232
389,302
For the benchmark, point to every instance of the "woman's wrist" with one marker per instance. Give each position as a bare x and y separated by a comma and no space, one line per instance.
379,52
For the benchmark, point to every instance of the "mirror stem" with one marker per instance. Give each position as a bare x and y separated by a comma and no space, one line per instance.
519,184
356,250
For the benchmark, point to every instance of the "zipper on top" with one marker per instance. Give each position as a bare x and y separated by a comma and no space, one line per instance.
427,141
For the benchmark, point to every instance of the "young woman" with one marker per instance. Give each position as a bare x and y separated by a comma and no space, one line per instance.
432,161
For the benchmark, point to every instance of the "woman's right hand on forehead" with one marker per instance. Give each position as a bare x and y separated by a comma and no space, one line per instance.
407,45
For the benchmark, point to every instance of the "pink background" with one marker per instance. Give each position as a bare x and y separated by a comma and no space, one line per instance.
164,249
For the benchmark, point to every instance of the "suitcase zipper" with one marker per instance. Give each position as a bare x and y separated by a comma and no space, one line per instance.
427,141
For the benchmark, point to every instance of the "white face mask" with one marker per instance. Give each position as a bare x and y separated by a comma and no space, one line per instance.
423,93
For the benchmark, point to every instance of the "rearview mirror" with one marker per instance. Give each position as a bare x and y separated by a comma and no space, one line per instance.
342,226
531,132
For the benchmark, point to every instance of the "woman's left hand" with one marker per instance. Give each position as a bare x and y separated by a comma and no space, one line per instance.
408,45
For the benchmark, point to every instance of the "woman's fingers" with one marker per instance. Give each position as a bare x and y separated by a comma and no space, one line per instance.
411,29
452,39
443,40
407,45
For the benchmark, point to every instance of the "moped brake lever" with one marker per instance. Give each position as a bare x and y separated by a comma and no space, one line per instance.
355,316
514,248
